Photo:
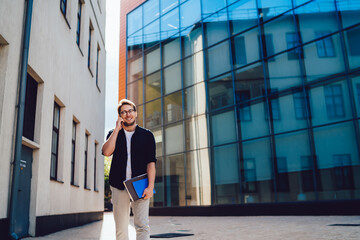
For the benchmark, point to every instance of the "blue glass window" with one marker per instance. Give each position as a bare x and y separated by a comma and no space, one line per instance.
292,40
220,92
167,5
325,47
353,37
151,34
223,133
242,15
271,9
240,51
299,105
63,6
334,101
78,23
216,28
170,24
151,11
350,10
134,43
211,6
218,59
134,21
343,171
190,13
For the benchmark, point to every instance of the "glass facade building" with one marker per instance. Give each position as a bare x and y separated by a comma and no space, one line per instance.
250,101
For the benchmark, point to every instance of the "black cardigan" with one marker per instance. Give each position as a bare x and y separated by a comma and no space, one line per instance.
143,150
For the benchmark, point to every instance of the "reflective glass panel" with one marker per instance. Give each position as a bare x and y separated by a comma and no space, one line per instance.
167,5
133,23
152,60
134,44
135,68
192,40
158,140
252,120
170,24
356,89
195,100
218,59
190,13
171,51
210,6
323,58
151,34
158,199
151,11
337,161
350,11
321,12
153,114
198,181
135,92
175,180
271,9
294,172
256,167
352,40
278,29
140,115
152,86
226,168
193,69
242,15
330,103
172,78
292,109
284,77
223,128
174,138
196,133
220,92
216,28
246,48
249,82
173,107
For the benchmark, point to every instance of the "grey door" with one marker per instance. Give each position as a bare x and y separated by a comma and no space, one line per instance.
23,201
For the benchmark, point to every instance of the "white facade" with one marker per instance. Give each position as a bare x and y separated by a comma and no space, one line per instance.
60,67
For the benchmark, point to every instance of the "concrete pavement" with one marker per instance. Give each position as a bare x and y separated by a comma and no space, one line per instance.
223,228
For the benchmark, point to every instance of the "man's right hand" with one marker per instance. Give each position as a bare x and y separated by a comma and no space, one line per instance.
119,123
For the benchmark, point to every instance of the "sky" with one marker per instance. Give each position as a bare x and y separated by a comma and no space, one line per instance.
112,32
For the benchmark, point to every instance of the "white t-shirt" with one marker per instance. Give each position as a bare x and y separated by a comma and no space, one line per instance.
128,147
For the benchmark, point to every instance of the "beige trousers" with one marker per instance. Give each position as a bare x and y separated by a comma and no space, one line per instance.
121,209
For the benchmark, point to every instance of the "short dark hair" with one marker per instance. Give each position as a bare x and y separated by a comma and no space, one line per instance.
125,102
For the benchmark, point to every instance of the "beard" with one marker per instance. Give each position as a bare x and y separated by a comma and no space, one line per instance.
129,124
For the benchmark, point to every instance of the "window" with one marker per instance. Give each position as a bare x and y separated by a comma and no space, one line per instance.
30,108
325,46
245,110
275,108
269,46
73,147
282,176
85,160
307,174
95,165
292,40
343,171
89,45
299,105
63,6
240,51
249,174
78,23
358,92
55,142
334,101
353,37
97,65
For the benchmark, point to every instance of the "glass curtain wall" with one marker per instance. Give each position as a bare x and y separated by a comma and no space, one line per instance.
250,101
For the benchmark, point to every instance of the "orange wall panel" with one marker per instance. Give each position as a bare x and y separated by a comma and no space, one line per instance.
126,7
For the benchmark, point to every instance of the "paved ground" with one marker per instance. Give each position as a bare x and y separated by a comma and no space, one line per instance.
223,228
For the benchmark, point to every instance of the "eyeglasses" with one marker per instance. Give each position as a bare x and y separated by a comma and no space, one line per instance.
123,113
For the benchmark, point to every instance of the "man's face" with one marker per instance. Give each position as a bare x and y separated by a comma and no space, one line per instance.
128,114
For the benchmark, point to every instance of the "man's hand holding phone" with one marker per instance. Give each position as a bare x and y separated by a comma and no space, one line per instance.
119,123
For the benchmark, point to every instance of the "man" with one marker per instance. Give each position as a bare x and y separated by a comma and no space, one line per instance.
133,150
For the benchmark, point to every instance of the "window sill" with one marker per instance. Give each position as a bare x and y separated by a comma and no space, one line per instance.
55,180
79,49
89,189
98,88
92,75
67,22
74,185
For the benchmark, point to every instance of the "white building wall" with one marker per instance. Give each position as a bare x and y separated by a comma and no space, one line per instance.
60,68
